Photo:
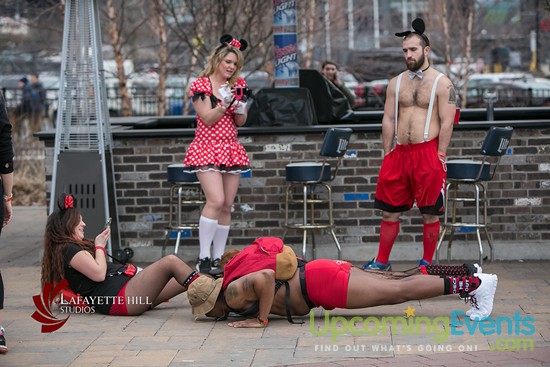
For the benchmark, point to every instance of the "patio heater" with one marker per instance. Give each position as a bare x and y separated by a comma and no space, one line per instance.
83,163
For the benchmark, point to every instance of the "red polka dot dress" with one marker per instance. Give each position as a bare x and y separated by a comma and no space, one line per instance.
215,147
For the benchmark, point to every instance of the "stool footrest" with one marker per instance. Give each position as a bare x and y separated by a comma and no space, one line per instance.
183,226
309,226
456,225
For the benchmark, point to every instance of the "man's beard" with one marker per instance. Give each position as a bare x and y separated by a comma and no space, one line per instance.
416,65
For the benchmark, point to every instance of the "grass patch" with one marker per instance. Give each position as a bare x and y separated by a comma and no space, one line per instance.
29,176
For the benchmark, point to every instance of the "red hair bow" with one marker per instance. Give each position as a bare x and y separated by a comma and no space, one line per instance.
228,39
68,202
235,43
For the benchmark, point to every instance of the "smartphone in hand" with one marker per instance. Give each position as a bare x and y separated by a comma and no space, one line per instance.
108,222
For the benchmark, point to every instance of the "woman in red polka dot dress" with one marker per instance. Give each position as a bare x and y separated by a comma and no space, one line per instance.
215,154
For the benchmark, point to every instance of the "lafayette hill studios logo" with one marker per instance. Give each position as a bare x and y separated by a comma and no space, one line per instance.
43,303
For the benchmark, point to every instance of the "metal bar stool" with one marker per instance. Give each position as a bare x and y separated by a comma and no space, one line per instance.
185,191
308,182
473,175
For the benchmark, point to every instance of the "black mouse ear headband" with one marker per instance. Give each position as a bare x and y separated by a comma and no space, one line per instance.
229,40
418,28
65,202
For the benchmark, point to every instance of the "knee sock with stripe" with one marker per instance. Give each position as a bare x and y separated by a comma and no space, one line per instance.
461,285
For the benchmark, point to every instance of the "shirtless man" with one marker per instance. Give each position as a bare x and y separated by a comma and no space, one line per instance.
337,284
418,116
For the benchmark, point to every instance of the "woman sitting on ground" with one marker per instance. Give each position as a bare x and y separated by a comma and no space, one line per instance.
115,287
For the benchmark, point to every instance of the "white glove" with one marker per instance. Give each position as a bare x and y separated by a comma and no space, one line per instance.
240,107
227,95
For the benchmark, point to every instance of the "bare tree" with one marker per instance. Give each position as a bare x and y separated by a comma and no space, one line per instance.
198,25
114,31
468,49
310,15
158,26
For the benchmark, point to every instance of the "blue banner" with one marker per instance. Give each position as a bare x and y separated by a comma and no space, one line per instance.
285,56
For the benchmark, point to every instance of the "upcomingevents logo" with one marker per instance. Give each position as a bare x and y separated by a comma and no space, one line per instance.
43,303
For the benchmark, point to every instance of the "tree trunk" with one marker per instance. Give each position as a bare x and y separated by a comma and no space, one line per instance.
468,50
448,57
114,37
310,30
158,7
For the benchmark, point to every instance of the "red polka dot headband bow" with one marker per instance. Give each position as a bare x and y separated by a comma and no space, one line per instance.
229,40
66,202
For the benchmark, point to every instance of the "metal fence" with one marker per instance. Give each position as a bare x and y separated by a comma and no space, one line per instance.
505,95
144,102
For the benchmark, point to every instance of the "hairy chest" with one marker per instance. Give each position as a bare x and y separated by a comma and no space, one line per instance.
415,94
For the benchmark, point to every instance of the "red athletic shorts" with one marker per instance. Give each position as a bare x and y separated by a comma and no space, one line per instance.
327,283
412,172
119,307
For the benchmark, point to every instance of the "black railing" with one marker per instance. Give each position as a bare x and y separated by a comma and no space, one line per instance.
144,102
370,97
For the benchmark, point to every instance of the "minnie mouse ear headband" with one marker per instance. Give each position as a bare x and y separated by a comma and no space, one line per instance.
65,202
228,39
418,28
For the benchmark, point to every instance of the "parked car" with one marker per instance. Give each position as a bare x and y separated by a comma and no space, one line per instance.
349,80
371,94
511,90
538,90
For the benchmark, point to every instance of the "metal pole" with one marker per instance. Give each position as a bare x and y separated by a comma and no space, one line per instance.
376,16
538,53
351,26
327,30
404,17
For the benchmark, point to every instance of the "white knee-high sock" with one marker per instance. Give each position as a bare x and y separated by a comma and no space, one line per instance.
220,239
207,229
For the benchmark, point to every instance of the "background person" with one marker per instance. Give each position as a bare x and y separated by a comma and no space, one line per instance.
215,154
25,107
330,70
38,102
6,186
83,262
414,169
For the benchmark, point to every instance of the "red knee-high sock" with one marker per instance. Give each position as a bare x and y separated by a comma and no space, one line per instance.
388,234
431,234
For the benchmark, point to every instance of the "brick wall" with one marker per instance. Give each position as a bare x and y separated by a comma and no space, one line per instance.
519,205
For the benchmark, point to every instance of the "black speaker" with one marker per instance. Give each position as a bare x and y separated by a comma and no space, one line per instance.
282,107
331,105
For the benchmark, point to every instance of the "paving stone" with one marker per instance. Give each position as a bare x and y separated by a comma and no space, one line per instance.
170,336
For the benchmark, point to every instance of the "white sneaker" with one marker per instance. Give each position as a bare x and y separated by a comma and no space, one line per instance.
479,270
483,297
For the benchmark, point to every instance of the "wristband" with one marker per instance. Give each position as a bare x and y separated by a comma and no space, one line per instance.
8,198
441,154
101,249
262,322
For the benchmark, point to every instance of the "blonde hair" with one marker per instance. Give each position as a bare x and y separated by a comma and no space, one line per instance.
217,56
